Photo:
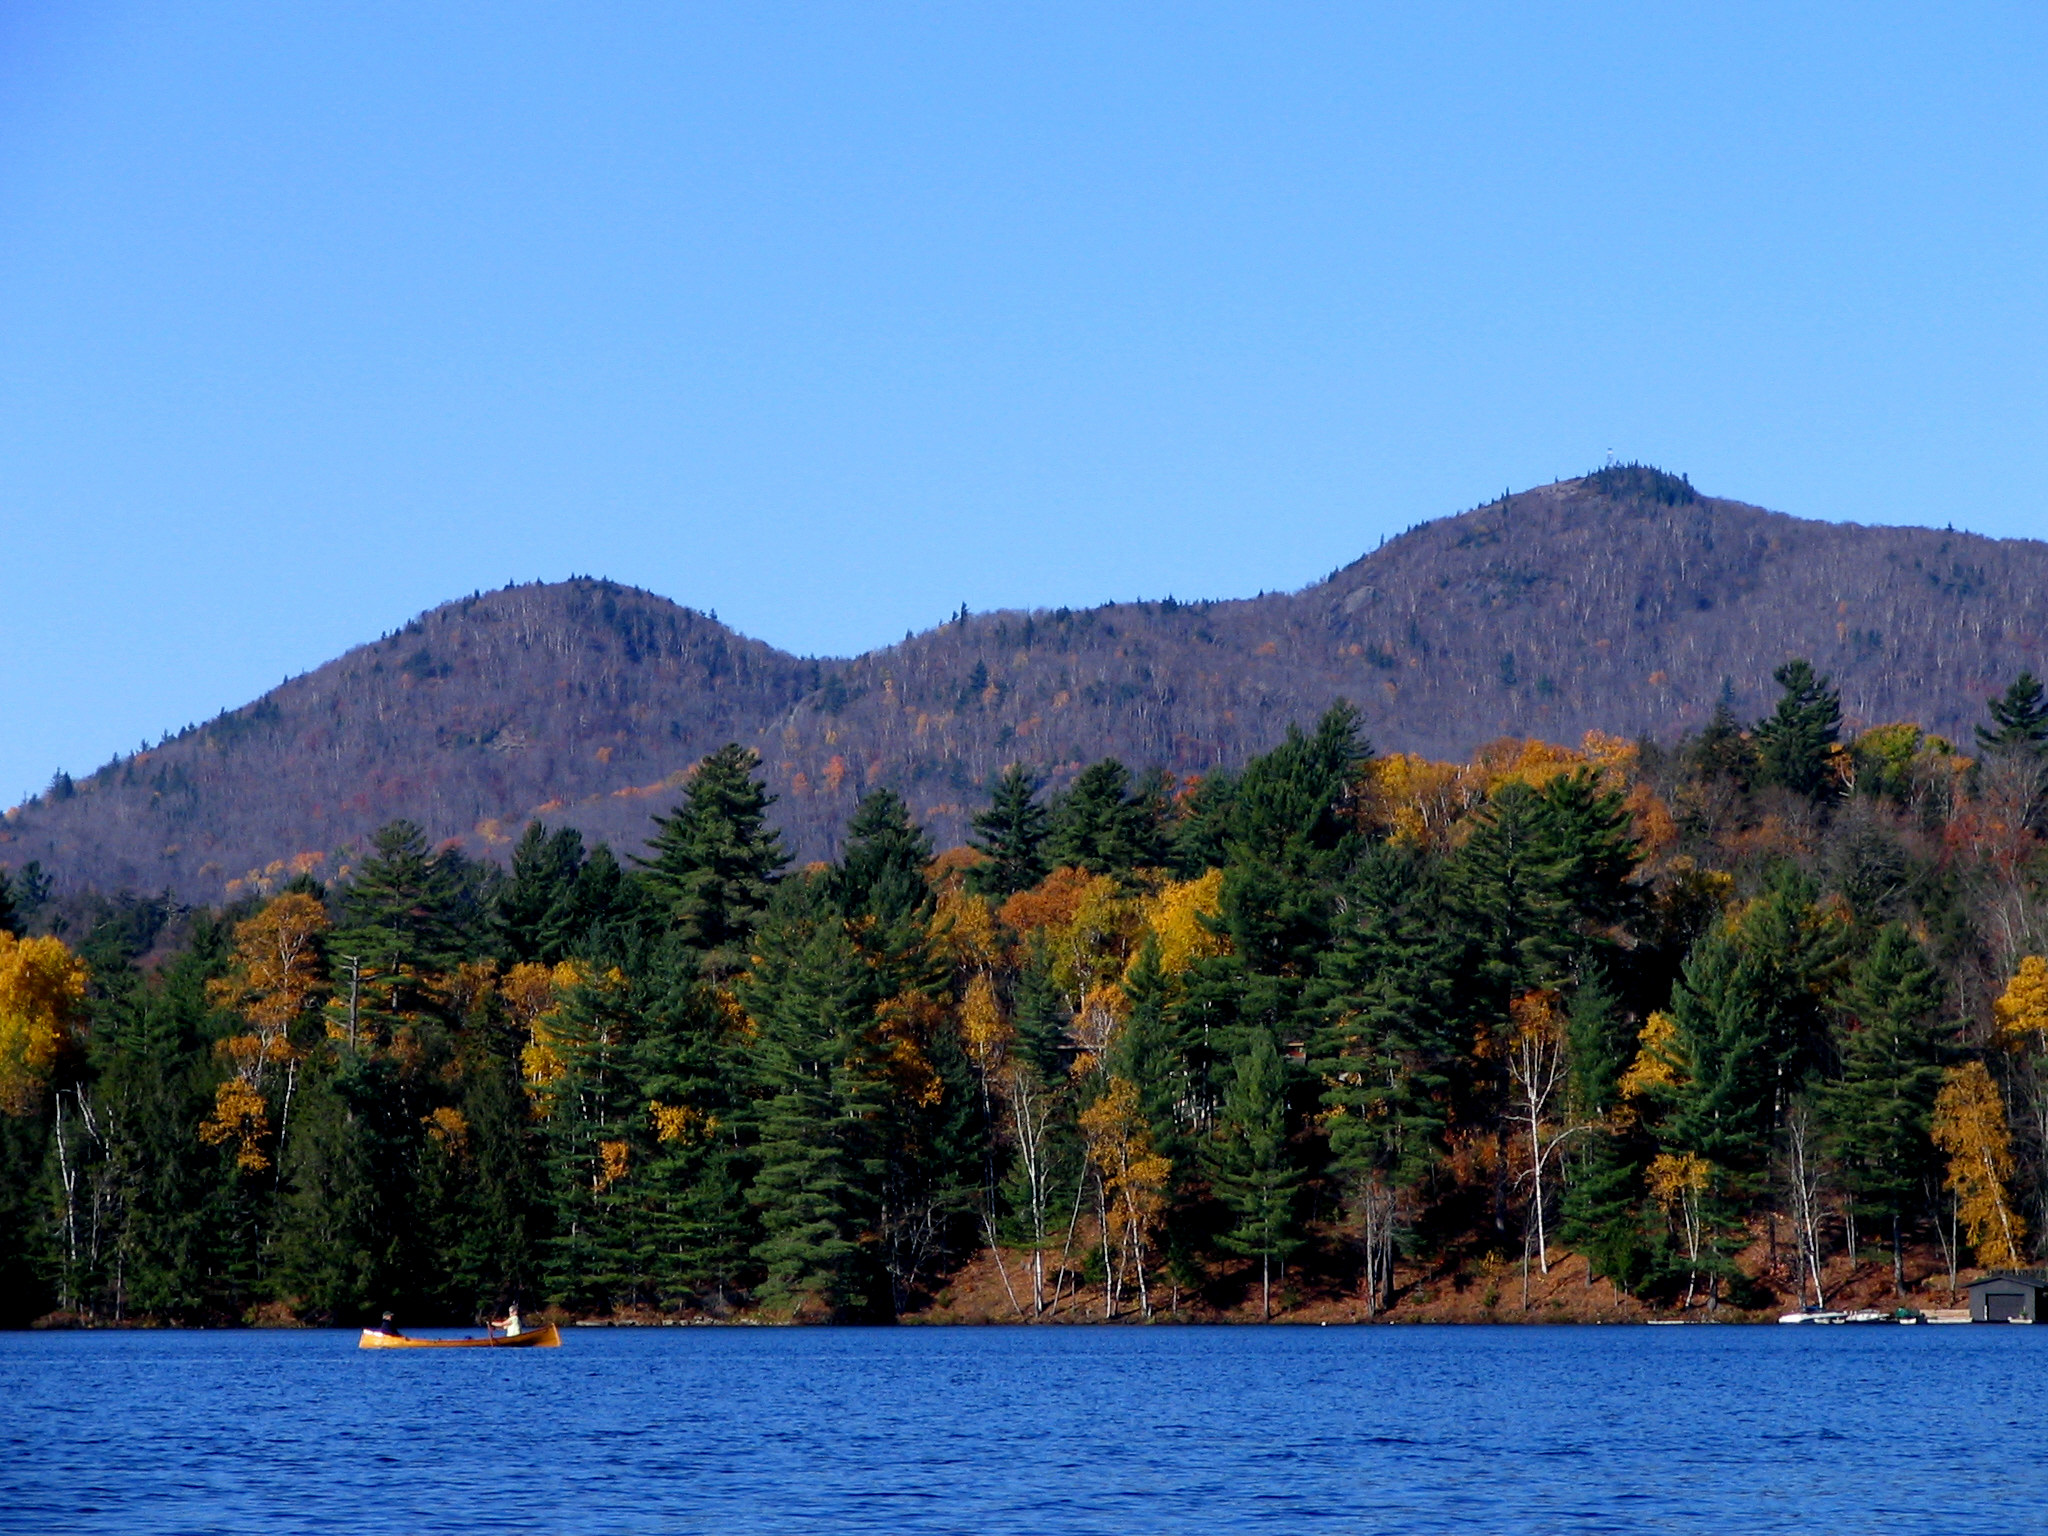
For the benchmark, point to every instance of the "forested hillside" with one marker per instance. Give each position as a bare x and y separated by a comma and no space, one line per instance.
1750,1019
1622,602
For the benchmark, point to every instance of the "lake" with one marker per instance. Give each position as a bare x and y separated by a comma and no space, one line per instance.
1046,1430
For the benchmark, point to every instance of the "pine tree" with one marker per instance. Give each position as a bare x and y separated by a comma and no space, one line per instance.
2020,718
715,859
1102,827
1795,744
535,915
1250,1166
686,1066
1012,833
1722,750
1752,1029
1037,1015
596,1131
881,873
1602,1201
1879,1110
1383,1050
810,997
404,907
1507,888
1288,841
1593,852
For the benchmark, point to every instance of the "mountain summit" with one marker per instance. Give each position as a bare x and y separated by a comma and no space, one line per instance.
1623,602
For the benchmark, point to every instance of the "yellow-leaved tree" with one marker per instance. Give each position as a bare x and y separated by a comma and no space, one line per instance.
42,997
1183,918
1679,1182
1970,1126
1130,1188
2022,1010
531,993
276,980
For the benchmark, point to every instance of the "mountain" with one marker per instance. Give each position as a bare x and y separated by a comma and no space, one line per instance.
1623,601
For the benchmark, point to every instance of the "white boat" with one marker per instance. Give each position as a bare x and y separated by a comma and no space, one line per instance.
1814,1315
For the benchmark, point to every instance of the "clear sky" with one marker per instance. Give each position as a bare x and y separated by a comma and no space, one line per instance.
830,318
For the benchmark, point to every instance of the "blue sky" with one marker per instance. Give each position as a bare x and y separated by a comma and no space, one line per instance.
832,318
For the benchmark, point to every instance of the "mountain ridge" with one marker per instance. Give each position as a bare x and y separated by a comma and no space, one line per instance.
1622,601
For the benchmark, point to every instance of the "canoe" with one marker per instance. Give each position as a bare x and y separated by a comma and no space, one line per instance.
533,1338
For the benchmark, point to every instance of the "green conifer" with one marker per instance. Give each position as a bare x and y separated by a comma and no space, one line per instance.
1012,833
714,859
2020,717
1251,1167
1101,826
404,906
1879,1109
811,997
1795,744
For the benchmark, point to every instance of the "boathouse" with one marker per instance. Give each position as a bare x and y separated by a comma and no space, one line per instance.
2009,1299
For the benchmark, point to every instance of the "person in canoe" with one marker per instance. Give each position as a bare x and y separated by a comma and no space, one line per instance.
509,1325
387,1327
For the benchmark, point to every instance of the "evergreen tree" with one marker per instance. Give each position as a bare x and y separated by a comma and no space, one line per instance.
1751,1025
1250,1166
1147,1051
595,1125
1722,750
605,919
348,1241
1012,833
1795,744
881,873
686,1065
1104,828
1200,838
1592,850
715,859
1507,888
1602,1204
1289,840
810,997
2020,719
1037,1015
403,910
1383,1051
1879,1110
536,911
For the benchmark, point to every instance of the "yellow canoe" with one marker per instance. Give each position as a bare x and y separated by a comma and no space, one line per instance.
533,1338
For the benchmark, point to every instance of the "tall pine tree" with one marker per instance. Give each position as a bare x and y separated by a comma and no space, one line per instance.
1795,745
1011,833
714,860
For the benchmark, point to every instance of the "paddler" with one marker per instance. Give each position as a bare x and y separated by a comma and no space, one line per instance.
511,1324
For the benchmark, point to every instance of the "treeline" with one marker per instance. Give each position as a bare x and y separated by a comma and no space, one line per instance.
1719,1017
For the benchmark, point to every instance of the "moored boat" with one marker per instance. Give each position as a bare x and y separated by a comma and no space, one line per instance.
545,1337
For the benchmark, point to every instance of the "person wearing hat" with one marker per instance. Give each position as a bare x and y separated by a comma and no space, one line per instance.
386,1326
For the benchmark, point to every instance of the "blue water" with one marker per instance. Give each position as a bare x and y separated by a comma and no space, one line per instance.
1051,1430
